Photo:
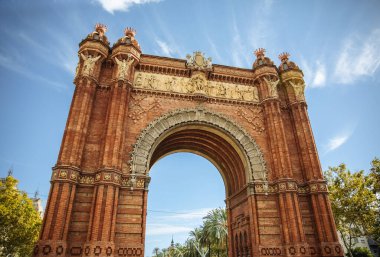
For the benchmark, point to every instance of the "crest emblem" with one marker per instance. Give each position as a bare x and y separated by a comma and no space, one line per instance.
197,61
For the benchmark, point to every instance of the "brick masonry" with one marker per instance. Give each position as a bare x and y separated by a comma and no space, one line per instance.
251,123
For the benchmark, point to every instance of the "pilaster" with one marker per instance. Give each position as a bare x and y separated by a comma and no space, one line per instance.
268,81
292,78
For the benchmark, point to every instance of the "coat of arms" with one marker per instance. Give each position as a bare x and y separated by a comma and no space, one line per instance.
197,61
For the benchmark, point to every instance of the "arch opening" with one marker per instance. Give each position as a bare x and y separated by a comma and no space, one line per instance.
206,133
184,188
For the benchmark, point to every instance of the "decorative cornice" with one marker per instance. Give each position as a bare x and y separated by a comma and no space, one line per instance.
275,187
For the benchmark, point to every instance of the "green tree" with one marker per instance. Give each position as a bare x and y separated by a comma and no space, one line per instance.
156,251
361,252
353,203
375,175
19,221
215,227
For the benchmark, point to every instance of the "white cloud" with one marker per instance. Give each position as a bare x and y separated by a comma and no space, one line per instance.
239,57
337,141
122,5
188,215
165,229
320,76
165,48
359,57
315,75
10,63
194,214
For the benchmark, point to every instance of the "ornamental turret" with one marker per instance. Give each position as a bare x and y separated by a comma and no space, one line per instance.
126,54
266,74
92,51
292,78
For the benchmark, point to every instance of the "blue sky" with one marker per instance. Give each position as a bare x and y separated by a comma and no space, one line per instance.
335,43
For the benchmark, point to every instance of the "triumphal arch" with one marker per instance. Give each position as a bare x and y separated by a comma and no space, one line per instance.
129,109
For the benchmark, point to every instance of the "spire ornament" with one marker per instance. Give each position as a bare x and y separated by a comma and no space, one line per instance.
284,57
101,29
260,53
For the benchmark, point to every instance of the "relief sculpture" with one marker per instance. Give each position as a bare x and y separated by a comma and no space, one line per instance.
198,84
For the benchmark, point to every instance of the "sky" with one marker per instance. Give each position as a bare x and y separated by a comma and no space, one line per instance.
335,43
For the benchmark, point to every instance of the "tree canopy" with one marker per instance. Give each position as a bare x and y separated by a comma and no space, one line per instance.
355,202
210,239
19,221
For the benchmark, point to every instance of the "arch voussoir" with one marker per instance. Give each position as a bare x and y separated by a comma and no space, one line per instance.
144,146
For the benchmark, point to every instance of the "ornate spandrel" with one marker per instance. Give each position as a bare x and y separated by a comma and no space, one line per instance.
197,61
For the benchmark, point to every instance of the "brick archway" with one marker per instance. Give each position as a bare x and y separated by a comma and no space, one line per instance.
129,109
206,133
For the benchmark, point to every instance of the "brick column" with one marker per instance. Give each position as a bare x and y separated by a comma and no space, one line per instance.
293,235
100,239
54,231
101,233
323,216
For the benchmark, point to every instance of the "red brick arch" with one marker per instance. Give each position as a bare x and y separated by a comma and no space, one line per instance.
130,109
227,145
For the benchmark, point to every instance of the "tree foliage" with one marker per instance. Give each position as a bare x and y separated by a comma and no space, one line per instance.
210,239
354,203
361,252
19,221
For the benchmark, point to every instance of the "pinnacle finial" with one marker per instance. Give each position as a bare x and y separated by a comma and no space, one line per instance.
260,52
129,31
100,28
284,56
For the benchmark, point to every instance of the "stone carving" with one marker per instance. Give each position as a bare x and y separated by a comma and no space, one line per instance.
86,180
253,116
272,87
143,149
88,64
299,90
123,67
137,110
197,61
198,84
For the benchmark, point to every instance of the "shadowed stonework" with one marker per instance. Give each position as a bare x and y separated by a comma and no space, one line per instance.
131,109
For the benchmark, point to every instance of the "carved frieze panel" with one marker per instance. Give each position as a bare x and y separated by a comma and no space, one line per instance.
197,84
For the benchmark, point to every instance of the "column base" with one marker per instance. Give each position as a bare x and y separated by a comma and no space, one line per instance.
99,249
46,248
331,249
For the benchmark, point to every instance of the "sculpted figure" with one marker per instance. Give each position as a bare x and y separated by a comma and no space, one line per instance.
123,67
255,97
88,64
151,81
299,90
138,80
221,90
272,86
171,84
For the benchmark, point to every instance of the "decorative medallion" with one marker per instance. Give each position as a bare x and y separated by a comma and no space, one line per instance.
197,61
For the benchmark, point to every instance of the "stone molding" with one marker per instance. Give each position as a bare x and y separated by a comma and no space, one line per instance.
143,148
288,186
